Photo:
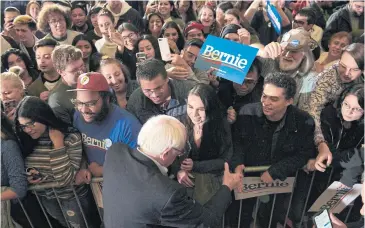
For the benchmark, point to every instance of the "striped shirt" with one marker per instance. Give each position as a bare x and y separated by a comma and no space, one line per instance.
58,165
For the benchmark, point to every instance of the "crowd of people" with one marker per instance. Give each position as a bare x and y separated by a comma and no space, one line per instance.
171,141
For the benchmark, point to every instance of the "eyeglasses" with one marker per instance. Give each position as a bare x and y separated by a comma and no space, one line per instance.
77,72
89,104
149,92
185,151
54,22
129,36
347,107
345,68
29,125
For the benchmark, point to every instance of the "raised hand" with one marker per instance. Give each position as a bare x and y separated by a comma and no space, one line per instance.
57,138
233,180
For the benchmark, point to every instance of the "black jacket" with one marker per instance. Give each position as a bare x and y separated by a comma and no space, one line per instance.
338,22
341,141
292,143
229,97
354,167
137,195
143,108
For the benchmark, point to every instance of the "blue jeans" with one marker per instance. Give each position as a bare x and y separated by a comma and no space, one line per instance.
71,210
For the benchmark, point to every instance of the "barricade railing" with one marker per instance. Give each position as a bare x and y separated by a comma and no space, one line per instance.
257,169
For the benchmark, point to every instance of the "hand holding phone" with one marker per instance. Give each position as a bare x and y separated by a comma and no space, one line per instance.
164,49
141,56
9,105
322,219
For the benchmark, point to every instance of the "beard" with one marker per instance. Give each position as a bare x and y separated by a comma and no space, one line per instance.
98,117
356,14
286,65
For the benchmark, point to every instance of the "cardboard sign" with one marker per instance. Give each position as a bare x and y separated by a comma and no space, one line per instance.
254,187
274,17
336,198
231,60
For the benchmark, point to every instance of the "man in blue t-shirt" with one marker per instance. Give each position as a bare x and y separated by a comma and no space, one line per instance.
100,122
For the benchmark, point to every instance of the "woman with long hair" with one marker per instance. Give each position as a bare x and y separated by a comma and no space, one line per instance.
186,10
169,13
119,79
89,52
171,31
206,17
15,57
53,153
210,140
154,24
149,45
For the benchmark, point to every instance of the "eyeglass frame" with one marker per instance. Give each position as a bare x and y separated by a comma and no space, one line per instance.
55,22
340,64
79,71
30,124
88,104
130,35
149,92
347,107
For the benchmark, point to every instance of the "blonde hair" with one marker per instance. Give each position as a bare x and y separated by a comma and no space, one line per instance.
63,55
161,132
14,78
16,70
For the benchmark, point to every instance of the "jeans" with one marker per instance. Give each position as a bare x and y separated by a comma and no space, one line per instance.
71,210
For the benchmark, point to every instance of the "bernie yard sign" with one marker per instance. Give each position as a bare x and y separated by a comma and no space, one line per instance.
230,60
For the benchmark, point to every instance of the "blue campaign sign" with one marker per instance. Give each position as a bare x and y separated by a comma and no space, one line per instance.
230,59
274,17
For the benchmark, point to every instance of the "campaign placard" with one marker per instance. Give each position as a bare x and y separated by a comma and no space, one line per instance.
254,187
274,17
336,198
230,60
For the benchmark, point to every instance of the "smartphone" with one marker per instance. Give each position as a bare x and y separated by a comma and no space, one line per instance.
322,219
141,56
164,49
9,105
35,176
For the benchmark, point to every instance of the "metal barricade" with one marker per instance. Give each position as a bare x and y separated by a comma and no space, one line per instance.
258,169
53,185
287,222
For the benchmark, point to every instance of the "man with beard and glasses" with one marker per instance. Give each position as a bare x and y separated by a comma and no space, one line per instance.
100,122
68,62
349,18
292,56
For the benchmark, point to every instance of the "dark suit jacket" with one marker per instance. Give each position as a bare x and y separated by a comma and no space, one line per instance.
136,194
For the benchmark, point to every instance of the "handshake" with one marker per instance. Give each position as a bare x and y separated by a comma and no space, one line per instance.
234,181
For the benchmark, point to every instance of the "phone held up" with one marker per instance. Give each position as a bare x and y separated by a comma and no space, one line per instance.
164,49
322,219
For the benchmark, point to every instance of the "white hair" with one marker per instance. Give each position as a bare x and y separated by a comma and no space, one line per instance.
161,132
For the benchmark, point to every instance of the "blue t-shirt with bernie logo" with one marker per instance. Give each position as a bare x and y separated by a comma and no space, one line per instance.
118,126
